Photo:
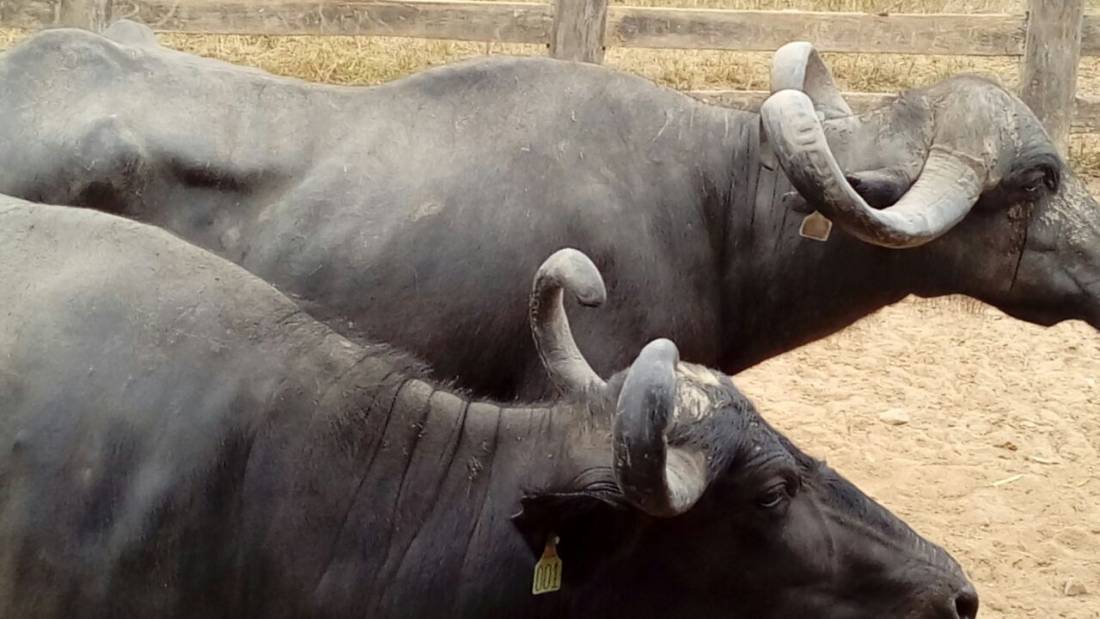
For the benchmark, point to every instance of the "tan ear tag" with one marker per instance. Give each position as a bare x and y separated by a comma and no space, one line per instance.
815,226
548,569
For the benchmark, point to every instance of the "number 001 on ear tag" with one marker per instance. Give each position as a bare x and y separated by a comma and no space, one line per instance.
548,569
816,226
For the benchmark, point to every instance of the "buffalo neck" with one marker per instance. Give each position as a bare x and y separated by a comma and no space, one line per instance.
395,497
782,290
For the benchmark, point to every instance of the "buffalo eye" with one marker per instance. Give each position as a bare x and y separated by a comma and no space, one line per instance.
775,495
1037,178
1034,186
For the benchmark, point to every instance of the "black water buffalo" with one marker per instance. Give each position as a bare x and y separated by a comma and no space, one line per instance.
181,440
412,212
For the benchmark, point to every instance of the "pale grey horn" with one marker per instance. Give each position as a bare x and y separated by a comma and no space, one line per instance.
565,269
129,32
659,479
797,66
947,188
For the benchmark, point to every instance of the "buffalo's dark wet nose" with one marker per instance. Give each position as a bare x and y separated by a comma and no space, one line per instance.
966,603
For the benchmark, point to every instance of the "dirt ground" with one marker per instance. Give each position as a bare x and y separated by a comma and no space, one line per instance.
1000,458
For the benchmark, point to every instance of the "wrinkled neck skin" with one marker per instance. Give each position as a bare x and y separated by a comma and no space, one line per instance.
396,500
784,290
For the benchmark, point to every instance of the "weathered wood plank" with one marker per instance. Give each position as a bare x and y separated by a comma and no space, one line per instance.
1086,116
1048,79
29,14
438,19
976,35
1086,119
532,23
578,31
1090,35
87,14
750,100
630,26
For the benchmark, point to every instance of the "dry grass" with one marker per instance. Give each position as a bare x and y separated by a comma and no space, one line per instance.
372,60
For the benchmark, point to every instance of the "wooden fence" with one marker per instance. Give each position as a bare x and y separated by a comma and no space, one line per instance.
1049,39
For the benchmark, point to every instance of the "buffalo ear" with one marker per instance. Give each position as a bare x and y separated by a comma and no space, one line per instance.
881,188
591,525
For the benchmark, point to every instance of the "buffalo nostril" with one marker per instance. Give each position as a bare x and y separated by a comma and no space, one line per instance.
966,603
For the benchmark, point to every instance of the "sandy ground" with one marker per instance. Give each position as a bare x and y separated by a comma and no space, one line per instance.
999,461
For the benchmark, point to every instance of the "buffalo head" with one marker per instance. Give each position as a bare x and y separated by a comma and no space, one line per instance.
962,171
700,507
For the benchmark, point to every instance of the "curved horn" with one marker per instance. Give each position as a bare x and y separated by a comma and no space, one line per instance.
129,32
946,190
566,268
660,480
798,66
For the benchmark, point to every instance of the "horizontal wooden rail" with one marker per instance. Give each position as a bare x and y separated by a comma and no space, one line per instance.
1051,36
973,35
523,22
1086,117
750,100
30,14
1090,35
444,19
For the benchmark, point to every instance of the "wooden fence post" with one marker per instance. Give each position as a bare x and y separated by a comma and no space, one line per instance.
578,31
87,14
1052,52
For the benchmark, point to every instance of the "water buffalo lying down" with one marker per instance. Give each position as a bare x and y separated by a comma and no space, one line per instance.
413,212
182,441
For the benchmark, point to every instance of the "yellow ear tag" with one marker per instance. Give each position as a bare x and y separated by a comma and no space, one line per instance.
816,226
548,569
